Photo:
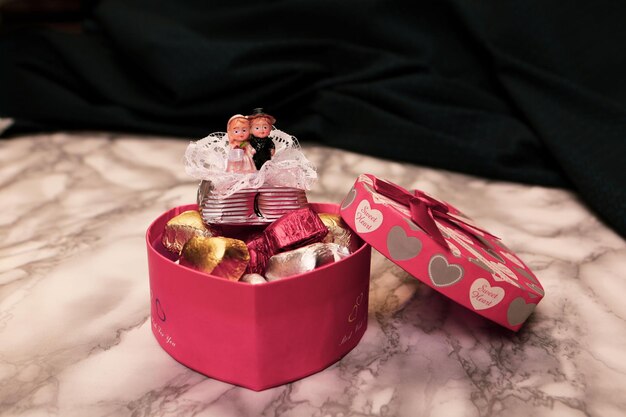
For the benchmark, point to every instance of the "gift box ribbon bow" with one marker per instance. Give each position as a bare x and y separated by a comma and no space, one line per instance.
424,210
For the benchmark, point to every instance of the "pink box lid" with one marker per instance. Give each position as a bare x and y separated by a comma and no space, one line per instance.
438,245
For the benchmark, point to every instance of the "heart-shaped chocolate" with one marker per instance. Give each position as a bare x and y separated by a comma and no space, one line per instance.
219,256
183,227
349,198
443,274
519,311
400,246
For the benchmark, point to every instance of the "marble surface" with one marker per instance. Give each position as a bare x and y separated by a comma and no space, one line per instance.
75,337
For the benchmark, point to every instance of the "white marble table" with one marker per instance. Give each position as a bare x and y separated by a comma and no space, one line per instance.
75,336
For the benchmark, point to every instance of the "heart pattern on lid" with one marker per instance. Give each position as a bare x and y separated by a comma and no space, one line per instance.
401,246
442,273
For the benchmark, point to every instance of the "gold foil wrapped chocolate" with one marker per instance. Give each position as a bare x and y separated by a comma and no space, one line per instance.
183,227
304,259
219,256
339,232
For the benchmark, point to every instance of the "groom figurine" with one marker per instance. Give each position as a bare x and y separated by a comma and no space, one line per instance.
260,127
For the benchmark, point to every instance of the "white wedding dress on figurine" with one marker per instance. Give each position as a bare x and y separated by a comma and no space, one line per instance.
206,159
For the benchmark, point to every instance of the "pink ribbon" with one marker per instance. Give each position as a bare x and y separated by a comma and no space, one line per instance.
424,210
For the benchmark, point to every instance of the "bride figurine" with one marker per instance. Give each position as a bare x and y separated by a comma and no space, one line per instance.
240,154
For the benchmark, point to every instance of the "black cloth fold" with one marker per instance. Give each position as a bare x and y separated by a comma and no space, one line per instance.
530,91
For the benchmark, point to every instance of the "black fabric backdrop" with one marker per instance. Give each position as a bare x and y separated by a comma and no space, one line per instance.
531,91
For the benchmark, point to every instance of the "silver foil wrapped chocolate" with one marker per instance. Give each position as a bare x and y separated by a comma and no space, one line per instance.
303,259
251,206
253,279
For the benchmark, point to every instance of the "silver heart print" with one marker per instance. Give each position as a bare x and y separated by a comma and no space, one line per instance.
442,273
400,246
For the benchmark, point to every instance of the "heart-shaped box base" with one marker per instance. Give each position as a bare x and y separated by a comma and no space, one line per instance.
257,336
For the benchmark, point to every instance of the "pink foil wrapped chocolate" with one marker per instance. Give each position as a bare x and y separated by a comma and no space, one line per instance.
295,229
259,252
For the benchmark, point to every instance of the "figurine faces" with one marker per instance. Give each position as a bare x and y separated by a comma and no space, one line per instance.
238,129
249,141
260,127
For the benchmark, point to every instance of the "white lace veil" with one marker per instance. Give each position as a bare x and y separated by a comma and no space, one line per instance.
206,160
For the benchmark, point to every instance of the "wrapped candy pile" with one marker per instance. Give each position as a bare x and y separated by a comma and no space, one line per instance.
298,242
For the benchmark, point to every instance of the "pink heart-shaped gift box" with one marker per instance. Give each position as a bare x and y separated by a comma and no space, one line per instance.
474,268
257,336
260,336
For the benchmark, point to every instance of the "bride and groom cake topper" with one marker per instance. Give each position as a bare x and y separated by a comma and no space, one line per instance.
250,144
252,153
